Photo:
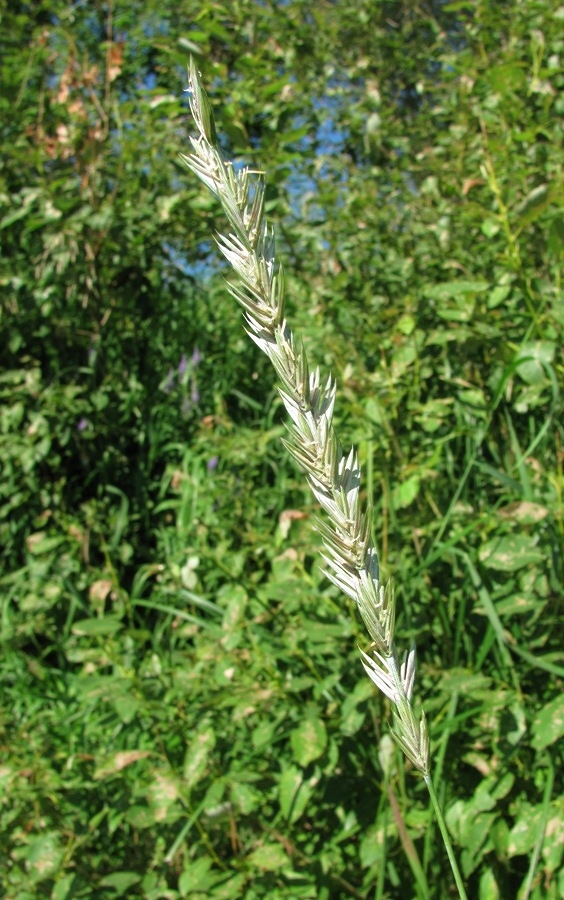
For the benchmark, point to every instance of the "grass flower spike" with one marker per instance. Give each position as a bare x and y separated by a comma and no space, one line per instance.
333,476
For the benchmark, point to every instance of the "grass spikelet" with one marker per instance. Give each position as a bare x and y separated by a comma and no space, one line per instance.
333,475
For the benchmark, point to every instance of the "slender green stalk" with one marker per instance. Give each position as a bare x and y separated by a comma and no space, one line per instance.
333,476
445,836
438,769
536,855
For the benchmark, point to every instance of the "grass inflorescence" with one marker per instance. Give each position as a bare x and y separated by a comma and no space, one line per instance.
333,476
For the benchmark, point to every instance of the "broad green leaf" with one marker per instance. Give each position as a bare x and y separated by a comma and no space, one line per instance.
524,833
498,295
197,754
162,794
245,797
97,627
490,227
235,601
40,542
120,882
127,707
141,817
524,511
225,886
199,878
15,216
534,203
406,324
475,399
517,605
372,844
488,888
294,793
510,553
263,734
269,858
309,739
63,889
508,76
374,411
455,300
548,724
533,359
434,414
461,288
43,856
119,761
556,238
406,491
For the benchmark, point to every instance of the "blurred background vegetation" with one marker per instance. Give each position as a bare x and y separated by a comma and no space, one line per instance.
183,711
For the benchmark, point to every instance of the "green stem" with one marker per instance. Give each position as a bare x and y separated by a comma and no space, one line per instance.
446,837
438,764
528,885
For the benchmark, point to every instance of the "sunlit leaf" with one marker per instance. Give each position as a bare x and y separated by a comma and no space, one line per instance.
509,553
309,739
548,724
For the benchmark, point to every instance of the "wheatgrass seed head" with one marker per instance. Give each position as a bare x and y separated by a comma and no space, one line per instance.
333,477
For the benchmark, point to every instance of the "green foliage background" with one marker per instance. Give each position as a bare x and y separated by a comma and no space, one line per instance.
183,709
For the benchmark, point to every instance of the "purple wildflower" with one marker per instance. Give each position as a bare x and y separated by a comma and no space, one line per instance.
167,386
212,463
